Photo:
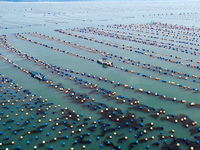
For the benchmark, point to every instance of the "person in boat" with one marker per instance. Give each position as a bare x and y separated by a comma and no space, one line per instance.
39,76
104,61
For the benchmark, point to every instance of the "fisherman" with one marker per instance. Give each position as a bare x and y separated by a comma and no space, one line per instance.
39,76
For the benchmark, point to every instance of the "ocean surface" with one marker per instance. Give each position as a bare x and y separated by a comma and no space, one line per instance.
148,99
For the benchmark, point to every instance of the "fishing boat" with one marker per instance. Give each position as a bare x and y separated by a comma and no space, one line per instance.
37,75
104,61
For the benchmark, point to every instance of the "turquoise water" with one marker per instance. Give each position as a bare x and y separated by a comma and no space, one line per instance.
92,113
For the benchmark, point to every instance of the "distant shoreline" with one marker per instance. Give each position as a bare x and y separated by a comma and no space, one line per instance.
91,0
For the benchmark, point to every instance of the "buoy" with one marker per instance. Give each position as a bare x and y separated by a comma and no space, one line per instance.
141,90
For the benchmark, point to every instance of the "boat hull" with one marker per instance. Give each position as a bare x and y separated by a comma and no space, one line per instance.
108,63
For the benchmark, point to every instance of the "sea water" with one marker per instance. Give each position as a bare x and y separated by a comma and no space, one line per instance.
45,18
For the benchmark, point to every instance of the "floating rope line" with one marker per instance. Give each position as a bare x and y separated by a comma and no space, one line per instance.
104,129
126,70
59,71
101,32
129,48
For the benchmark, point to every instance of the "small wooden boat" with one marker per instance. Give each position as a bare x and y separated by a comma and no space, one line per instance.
37,75
104,61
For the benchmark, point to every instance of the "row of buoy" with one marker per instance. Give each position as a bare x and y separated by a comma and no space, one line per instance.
44,141
9,26
172,83
29,132
161,58
167,35
54,138
141,90
125,59
37,34
129,48
153,29
61,89
76,78
159,26
175,17
141,52
159,79
148,92
36,139
130,38
141,133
